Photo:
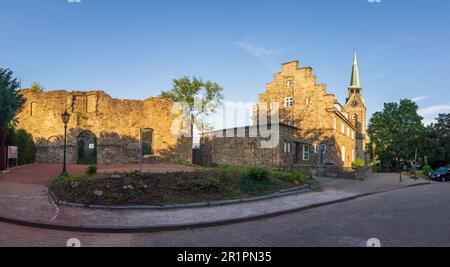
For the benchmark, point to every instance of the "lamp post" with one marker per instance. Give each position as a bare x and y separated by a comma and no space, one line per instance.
65,118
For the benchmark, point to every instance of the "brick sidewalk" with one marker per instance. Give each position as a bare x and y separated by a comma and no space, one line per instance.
31,203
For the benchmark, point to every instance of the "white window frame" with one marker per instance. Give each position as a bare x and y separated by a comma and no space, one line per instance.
324,148
316,149
288,102
306,153
287,148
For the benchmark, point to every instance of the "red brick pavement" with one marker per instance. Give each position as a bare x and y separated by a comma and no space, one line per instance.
24,194
43,174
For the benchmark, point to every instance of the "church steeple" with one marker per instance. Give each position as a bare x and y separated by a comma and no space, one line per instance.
355,86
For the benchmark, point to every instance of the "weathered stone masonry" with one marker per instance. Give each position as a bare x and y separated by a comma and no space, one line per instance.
115,123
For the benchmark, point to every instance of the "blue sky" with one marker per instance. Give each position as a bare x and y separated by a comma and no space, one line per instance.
132,49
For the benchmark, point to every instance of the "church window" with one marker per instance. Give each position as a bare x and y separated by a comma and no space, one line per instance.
308,101
288,102
289,83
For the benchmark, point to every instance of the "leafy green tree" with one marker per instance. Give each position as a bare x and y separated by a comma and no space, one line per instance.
26,146
396,132
202,98
11,102
37,88
437,141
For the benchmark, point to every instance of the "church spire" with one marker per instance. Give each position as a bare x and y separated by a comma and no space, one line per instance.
354,82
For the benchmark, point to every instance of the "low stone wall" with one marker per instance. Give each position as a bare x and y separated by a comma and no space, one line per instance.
358,173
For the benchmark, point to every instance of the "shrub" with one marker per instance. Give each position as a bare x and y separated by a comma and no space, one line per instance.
254,186
142,186
255,180
426,170
91,170
256,174
37,88
26,146
359,163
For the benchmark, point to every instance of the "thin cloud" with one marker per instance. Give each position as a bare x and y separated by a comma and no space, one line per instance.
257,51
417,99
434,110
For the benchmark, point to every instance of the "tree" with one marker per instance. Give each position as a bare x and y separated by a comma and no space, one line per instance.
11,102
37,88
202,98
437,141
396,132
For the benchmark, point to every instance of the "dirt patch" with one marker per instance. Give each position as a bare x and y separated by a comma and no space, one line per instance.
170,188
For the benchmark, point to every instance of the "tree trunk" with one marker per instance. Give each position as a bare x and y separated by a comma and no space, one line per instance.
2,151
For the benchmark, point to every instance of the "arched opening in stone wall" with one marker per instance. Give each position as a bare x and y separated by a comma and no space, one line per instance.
147,143
52,147
87,148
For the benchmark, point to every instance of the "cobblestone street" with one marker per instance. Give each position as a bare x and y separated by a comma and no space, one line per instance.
417,216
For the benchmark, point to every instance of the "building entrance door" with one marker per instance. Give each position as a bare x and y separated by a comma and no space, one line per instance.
87,148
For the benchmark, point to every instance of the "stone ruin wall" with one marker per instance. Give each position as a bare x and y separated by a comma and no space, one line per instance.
116,124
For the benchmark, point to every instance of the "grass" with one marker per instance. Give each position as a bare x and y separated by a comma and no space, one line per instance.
205,185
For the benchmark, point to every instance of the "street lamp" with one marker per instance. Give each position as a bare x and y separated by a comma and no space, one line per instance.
65,118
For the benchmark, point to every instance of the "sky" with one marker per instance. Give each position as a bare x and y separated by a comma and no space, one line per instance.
133,49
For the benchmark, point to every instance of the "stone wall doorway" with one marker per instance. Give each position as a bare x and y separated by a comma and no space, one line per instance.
87,148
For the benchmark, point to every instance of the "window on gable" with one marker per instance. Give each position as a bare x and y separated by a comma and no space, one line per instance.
348,132
308,101
288,102
335,123
306,152
342,128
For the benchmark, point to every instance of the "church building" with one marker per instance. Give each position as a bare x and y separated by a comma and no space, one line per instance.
311,119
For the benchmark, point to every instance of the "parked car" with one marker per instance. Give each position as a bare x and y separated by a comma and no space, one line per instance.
441,174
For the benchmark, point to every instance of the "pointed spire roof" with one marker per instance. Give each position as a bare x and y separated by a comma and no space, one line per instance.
354,82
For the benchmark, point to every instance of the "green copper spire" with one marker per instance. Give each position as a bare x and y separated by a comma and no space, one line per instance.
354,83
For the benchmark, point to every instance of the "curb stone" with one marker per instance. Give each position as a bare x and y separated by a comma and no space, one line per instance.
281,193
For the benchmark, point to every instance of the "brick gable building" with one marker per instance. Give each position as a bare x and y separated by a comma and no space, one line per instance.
310,118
